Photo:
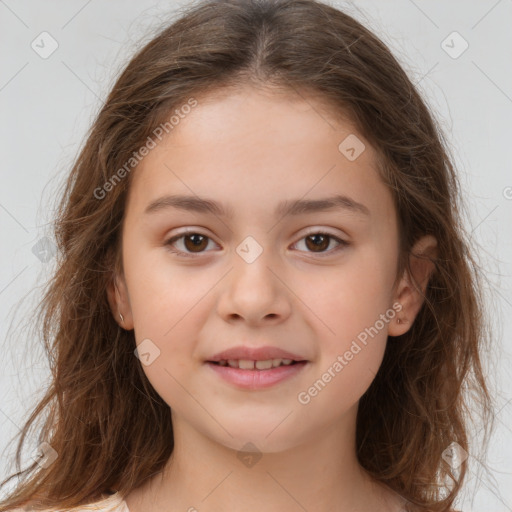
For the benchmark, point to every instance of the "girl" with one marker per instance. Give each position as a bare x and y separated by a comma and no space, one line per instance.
264,296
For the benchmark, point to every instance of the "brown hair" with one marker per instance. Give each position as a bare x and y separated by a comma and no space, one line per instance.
110,428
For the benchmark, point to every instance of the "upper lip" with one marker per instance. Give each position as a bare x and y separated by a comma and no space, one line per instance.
255,354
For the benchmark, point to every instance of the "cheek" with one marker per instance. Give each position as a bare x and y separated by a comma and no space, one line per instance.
351,339
346,313
161,293
339,386
348,301
165,308
170,371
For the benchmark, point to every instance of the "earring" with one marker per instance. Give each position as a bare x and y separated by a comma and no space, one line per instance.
121,317
398,320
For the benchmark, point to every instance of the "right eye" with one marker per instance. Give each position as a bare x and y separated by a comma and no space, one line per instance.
192,241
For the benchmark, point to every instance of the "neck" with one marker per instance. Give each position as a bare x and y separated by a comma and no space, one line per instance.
322,474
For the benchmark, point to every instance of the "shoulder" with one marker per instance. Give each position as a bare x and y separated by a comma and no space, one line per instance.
113,503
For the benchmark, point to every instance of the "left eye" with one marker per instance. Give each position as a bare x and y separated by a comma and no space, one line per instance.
195,243
321,241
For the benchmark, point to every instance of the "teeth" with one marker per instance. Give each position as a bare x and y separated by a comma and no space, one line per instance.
263,365
246,364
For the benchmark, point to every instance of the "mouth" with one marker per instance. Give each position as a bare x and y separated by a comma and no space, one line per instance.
261,358
254,368
256,365
251,375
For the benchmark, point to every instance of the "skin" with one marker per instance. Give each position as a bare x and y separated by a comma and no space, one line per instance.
250,150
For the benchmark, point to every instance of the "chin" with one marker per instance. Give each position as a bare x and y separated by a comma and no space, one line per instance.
257,440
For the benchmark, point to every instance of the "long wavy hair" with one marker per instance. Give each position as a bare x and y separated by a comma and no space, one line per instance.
100,414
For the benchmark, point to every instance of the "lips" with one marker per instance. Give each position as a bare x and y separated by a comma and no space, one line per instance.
250,368
255,354
255,380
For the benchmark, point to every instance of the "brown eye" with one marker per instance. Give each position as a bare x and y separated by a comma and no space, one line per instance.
319,242
192,243
197,242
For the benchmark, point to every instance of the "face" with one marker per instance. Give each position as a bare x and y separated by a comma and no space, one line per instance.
313,282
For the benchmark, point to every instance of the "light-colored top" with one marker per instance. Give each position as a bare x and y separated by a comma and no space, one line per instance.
114,503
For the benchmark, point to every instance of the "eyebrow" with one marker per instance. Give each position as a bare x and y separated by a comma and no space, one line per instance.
284,209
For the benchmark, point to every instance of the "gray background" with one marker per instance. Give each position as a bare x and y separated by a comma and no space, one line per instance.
48,104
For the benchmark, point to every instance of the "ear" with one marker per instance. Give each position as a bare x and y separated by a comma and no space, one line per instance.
410,291
117,295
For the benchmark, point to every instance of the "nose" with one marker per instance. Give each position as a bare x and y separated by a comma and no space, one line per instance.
255,293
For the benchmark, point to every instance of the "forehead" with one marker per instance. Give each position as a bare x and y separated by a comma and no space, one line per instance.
256,146
248,116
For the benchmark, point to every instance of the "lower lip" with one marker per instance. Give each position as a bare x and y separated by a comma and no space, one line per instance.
257,379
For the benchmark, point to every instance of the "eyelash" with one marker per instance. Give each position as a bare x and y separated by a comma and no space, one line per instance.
342,243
